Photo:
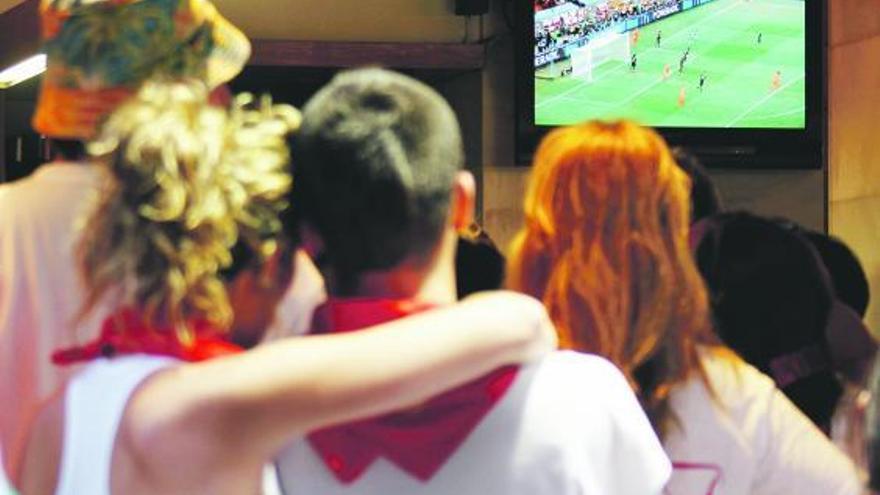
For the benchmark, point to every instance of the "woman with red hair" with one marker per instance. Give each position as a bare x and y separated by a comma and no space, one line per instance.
605,246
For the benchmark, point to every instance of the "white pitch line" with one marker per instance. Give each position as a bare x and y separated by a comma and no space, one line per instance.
763,100
783,114
573,89
596,103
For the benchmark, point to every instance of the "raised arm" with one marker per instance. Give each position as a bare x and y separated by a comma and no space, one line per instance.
250,405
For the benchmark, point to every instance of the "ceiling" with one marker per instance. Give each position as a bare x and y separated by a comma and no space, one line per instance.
8,4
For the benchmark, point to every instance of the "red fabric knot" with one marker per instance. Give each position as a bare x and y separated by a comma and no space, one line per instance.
419,440
126,332
714,472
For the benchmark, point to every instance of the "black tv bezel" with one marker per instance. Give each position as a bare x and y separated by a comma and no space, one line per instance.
737,148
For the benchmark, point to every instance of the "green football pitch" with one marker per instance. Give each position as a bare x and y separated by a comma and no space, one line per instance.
739,90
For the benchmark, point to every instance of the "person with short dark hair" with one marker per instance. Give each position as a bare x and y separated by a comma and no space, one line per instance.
771,300
479,265
381,194
853,347
872,429
705,198
848,277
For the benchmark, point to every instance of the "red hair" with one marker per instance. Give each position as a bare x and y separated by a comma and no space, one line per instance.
605,246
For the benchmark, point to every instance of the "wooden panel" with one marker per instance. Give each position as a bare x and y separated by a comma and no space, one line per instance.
853,20
343,54
854,95
400,21
19,33
8,4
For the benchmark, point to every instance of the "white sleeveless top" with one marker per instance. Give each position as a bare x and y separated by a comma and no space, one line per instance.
93,407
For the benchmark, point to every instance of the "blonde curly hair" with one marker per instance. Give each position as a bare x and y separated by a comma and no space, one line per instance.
185,181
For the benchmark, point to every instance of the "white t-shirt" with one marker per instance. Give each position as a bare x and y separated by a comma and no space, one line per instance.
568,425
40,292
750,438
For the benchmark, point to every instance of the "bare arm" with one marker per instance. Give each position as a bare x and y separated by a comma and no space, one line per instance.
248,406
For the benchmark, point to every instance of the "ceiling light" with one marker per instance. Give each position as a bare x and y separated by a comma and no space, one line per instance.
23,71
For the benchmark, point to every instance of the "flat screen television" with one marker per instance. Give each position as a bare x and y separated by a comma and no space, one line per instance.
741,83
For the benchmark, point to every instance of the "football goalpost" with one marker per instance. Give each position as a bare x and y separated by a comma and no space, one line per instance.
606,48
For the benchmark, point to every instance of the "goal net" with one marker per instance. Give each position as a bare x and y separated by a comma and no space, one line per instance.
606,48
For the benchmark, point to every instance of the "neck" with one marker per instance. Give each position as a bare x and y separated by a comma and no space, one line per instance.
429,282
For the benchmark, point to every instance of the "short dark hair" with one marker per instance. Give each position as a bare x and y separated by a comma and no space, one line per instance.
848,277
770,297
705,198
374,163
479,265
69,149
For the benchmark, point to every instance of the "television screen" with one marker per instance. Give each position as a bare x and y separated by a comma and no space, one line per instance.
671,63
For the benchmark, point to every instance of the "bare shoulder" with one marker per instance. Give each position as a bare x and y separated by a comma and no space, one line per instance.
42,460
171,421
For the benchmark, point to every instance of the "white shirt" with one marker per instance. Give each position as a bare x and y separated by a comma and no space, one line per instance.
751,437
40,293
568,425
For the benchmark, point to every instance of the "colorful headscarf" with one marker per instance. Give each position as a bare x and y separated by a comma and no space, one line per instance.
100,51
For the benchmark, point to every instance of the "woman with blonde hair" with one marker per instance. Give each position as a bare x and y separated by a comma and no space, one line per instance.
166,403
605,246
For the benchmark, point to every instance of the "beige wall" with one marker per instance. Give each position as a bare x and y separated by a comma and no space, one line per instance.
854,177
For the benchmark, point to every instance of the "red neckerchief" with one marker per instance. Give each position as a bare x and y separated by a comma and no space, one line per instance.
125,332
418,441
713,470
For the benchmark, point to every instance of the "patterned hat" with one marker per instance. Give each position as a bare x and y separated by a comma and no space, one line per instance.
100,51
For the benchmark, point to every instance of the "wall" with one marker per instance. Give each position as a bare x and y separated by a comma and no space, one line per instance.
347,20
854,87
